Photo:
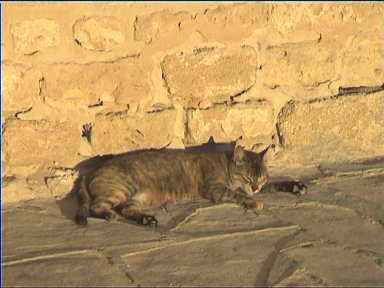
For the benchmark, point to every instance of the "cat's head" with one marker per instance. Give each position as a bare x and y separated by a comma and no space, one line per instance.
248,171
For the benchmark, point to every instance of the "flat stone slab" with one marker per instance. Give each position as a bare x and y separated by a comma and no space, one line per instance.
64,269
331,236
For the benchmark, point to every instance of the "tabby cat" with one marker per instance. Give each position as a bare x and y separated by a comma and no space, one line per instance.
127,183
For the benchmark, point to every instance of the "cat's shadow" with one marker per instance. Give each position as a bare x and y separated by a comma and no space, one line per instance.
69,204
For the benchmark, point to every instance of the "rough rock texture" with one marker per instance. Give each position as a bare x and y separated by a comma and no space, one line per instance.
327,136
22,86
150,27
32,36
117,133
98,33
39,142
309,67
117,82
209,75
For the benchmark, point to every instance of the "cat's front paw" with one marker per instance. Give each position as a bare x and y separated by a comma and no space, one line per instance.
299,188
295,187
147,220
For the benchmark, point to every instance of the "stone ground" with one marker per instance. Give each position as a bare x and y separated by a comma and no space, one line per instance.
333,235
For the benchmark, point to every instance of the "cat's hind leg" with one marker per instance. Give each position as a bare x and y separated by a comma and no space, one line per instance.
104,208
84,204
108,193
132,211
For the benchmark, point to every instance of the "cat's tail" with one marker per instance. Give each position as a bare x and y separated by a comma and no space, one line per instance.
84,203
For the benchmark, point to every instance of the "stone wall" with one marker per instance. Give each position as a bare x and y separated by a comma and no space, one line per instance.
86,79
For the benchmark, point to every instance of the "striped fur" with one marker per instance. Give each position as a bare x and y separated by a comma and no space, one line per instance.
127,183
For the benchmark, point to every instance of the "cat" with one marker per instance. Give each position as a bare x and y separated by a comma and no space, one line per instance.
127,183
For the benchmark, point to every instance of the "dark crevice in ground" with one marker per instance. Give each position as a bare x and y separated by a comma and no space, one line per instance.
116,261
262,277
284,267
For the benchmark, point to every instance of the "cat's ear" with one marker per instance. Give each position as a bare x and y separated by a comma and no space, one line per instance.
238,138
211,141
262,153
238,154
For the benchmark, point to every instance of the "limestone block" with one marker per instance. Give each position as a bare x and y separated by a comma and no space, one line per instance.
117,133
152,26
362,60
122,82
306,67
209,75
343,128
341,13
233,22
20,87
33,143
99,33
31,36
254,122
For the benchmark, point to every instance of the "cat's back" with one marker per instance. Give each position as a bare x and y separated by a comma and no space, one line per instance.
160,162
160,155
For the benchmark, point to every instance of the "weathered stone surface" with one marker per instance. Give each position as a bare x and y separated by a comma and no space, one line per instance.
321,16
323,219
361,270
336,129
210,75
226,123
33,143
210,219
151,27
301,277
58,246
51,226
31,36
61,267
363,51
118,82
234,22
306,68
116,133
348,14
225,260
99,33
21,86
